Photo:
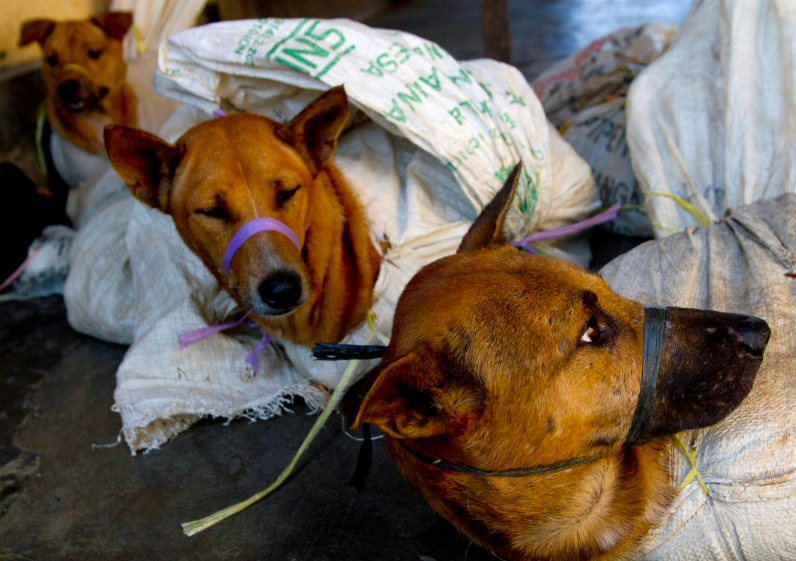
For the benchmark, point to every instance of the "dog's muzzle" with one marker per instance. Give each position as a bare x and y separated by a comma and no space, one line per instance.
282,290
76,96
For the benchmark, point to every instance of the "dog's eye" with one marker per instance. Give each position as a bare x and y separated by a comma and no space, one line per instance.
217,213
52,60
597,332
285,195
94,53
589,335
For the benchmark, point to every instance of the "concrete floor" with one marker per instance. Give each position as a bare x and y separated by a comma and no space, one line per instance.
62,498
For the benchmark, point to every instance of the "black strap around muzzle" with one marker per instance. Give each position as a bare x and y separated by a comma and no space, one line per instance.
654,330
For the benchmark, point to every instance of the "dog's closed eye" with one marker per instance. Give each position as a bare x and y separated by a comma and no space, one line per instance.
216,213
284,195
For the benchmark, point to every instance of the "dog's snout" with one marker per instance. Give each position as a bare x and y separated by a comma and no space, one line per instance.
69,91
73,93
750,333
281,291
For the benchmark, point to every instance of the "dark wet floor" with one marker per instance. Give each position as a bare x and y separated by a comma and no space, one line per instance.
63,498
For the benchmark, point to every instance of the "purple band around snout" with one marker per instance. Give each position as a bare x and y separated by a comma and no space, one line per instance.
255,227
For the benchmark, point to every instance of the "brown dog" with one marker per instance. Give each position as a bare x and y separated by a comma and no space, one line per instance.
84,75
225,172
501,360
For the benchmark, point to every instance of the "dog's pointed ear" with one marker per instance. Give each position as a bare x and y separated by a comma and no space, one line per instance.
143,161
114,24
314,131
421,395
35,30
487,229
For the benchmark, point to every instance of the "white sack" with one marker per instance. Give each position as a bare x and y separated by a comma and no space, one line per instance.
478,118
748,461
440,138
154,20
713,121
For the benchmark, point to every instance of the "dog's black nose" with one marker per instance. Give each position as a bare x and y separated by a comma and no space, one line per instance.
750,333
73,93
281,291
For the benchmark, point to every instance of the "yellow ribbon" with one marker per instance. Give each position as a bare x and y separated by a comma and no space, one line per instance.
75,67
140,44
700,217
690,456
41,118
196,526
371,321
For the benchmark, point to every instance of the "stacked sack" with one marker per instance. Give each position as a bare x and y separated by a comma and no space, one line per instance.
585,96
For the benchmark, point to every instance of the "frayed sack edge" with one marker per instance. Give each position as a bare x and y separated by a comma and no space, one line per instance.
166,426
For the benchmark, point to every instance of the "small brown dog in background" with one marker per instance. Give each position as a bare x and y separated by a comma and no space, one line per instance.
225,172
500,360
84,75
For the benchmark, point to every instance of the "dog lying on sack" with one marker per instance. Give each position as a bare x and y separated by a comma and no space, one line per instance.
273,220
534,408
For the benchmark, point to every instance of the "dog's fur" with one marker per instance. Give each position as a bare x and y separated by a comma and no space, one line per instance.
227,171
487,367
84,75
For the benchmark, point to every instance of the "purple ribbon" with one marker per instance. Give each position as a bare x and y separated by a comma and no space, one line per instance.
255,227
253,358
190,337
570,229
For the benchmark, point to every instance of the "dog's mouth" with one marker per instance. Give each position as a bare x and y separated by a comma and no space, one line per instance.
77,97
272,313
79,106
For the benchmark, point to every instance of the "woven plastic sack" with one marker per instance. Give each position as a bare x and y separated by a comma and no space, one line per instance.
584,96
713,121
748,461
